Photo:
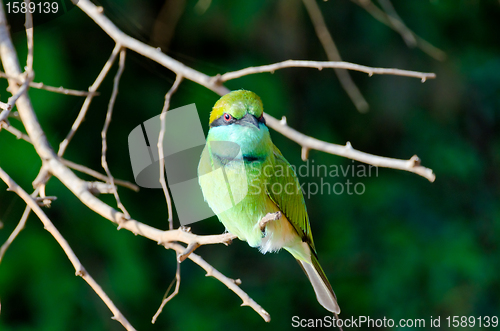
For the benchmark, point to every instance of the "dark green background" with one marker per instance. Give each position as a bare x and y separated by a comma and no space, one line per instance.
406,248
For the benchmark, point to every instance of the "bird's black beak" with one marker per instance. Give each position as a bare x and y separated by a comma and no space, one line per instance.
248,120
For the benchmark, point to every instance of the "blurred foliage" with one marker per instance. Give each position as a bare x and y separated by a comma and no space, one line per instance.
406,248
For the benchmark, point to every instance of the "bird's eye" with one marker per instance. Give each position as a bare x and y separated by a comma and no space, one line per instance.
227,117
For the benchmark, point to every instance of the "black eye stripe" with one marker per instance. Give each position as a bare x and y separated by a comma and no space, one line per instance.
262,119
221,121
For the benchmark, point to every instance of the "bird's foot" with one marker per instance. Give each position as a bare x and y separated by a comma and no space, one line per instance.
268,218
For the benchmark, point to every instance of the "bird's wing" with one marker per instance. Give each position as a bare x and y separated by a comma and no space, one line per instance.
287,195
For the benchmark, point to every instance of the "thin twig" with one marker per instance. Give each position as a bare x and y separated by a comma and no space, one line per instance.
109,114
383,17
166,299
29,36
333,54
15,233
411,165
98,175
80,270
15,132
397,23
230,283
321,65
7,107
42,86
88,99
166,105
189,249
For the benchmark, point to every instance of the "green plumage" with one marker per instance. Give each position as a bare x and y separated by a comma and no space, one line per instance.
244,177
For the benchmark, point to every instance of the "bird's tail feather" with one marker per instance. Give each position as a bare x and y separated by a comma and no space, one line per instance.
324,292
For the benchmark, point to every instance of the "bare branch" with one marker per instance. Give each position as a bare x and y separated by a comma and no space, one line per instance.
104,131
80,270
321,65
411,165
163,183
333,55
230,283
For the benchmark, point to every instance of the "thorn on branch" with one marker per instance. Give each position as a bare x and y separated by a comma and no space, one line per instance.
45,201
81,272
210,272
122,219
283,120
305,153
415,161
237,281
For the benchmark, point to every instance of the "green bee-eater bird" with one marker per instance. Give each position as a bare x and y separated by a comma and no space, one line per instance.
257,181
